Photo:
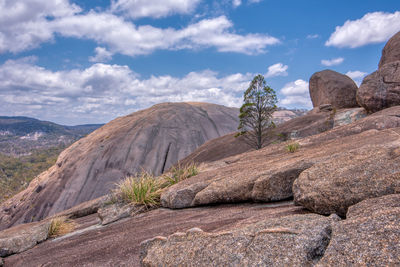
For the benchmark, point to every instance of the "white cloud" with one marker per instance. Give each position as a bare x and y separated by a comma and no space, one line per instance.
332,62
313,36
126,38
277,69
26,24
357,76
102,91
296,94
236,3
153,8
372,28
102,55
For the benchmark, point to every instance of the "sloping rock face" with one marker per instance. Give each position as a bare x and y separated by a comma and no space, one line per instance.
381,89
152,139
331,87
268,174
370,236
298,240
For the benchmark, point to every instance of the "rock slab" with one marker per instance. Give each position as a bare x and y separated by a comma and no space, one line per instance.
298,240
334,185
23,237
331,87
114,212
370,236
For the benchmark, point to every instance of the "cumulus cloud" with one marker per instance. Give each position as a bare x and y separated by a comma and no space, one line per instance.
357,76
277,69
332,62
102,92
296,94
126,38
155,8
372,28
101,55
26,24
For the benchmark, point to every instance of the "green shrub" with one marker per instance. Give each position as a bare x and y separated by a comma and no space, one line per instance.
60,226
292,147
179,173
141,189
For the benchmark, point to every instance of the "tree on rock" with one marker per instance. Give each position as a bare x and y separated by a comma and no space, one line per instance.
256,112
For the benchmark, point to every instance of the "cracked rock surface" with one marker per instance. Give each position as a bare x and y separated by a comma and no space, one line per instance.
370,236
298,240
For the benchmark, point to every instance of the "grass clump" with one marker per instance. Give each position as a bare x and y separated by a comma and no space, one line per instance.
145,189
179,173
292,147
142,189
61,226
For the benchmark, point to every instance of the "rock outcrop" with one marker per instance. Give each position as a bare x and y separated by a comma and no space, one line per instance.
268,174
331,87
152,139
370,236
23,237
335,184
381,89
298,240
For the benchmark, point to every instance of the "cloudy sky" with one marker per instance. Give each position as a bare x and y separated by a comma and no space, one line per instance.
89,61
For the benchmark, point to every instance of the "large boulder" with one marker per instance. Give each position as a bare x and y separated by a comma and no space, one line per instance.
152,139
268,174
335,184
298,240
331,87
381,89
370,236
391,51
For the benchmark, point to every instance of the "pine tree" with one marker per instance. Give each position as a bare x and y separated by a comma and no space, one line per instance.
256,112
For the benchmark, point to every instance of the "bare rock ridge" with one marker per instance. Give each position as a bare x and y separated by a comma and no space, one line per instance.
152,139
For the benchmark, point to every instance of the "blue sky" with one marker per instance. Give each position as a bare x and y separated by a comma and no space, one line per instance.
75,62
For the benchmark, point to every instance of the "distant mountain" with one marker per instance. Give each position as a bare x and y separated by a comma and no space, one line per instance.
21,135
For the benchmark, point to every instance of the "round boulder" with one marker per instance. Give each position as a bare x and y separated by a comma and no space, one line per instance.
331,87
391,51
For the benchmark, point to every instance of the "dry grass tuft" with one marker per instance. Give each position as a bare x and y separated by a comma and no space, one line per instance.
61,226
179,173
